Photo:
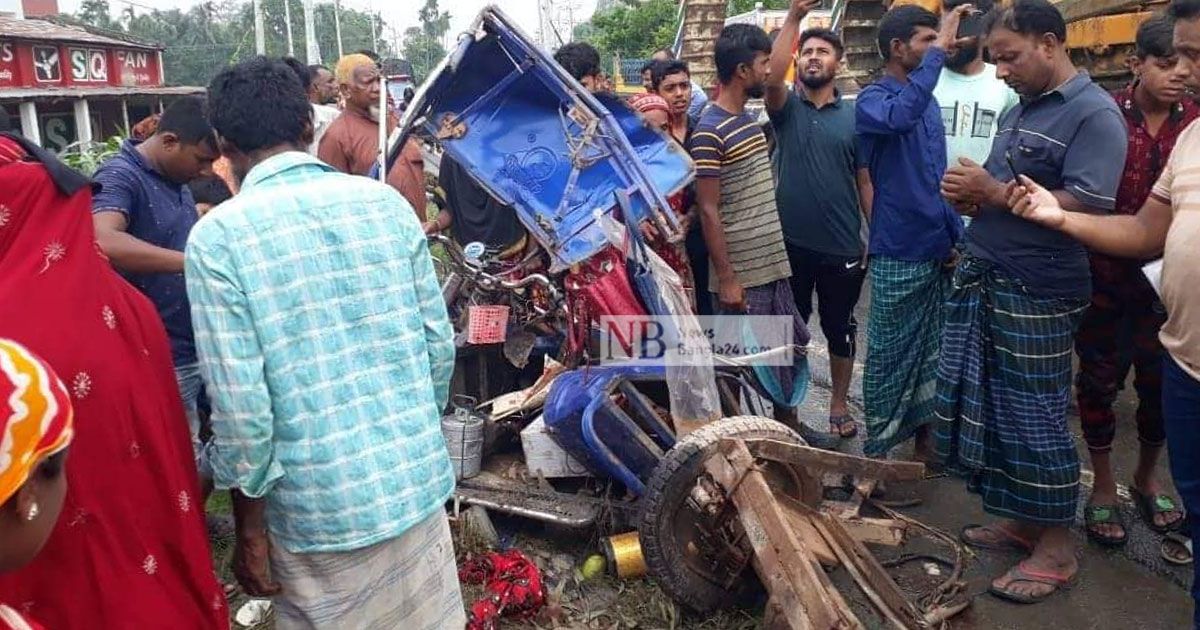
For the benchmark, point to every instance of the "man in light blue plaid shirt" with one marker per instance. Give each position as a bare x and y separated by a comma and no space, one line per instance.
327,351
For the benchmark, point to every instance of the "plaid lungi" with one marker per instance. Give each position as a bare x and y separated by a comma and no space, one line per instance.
1004,382
776,382
903,331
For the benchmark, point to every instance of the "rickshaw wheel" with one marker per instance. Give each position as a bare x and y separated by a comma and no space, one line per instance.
685,544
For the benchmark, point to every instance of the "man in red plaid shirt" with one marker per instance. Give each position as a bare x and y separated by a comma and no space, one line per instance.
1121,326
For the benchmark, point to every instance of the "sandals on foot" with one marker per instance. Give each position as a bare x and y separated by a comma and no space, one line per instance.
1176,549
1095,515
1150,506
1007,541
1022,573
843,426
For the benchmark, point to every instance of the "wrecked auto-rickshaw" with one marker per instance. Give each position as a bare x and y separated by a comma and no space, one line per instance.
718,493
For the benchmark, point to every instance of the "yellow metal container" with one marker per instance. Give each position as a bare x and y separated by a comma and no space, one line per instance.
624,555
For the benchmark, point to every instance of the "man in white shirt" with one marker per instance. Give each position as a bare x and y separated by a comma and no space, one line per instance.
972,98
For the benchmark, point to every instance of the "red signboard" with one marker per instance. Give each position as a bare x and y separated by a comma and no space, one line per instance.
134,67
8,63
33,65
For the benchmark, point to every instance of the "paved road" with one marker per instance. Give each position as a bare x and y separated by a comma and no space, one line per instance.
1129,588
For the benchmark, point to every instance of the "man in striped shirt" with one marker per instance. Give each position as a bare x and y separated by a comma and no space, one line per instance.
735,191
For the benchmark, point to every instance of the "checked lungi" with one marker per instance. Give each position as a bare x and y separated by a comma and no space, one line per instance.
785,385
1004,382
903,333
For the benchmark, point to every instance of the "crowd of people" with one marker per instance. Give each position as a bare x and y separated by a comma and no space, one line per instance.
1008,205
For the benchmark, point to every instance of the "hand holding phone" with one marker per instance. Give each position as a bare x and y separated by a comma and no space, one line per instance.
970,25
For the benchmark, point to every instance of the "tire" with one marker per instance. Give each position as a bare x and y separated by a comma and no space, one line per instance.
668,488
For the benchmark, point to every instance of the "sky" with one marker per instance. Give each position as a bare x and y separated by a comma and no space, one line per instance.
403,13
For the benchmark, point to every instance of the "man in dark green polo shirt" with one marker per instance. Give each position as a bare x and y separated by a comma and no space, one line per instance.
822,193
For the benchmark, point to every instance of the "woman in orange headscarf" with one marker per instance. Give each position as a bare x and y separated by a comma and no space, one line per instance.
130,550
36,425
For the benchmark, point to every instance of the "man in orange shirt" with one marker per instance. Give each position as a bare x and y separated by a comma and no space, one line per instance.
351,144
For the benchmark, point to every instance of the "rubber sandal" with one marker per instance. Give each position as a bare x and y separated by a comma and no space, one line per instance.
1179,542
838,424
1150,506
1009,541
1094,515
1019,573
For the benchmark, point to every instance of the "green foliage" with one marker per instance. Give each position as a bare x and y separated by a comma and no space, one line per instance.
86,158
208,36
633,29
423,45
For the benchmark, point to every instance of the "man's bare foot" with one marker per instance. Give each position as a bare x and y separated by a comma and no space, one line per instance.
1002,535
1051,567
1162,509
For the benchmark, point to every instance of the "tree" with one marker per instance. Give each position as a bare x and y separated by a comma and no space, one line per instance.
423,45
633,30
96,13
422,51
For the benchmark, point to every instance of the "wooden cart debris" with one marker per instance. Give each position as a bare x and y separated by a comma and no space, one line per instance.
755,497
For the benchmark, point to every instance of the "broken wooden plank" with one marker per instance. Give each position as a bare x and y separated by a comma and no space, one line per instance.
819,461
877,531
849,509
870,575
807,532
787,567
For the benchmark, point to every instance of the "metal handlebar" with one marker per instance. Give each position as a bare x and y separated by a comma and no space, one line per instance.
493,281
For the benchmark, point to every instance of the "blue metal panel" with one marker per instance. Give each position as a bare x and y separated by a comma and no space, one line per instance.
537,140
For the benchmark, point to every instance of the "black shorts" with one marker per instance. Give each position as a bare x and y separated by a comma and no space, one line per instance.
838,282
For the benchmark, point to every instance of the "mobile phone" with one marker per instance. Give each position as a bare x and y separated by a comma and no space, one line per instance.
1011,169
971,25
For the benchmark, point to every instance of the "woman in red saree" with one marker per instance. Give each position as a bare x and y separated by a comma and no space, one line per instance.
130,549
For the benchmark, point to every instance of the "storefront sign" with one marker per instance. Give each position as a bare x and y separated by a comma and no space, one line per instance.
47,64
8,64
89,65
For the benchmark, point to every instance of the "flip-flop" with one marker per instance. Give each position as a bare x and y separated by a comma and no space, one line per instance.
1151,506
1009,541
1094,515
838,424
1020,573
1180,542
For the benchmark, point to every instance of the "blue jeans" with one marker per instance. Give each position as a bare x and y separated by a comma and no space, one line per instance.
191,388
1181,415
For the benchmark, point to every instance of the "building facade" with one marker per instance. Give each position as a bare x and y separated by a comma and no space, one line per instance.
68,86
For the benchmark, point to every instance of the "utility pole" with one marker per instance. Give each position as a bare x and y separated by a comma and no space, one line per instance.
313,52
374,34
287,19
260,39
337,26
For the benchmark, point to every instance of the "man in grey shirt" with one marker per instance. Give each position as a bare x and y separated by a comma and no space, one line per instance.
1004,378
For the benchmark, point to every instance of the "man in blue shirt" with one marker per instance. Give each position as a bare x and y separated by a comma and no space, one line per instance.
1004,381
820,192
327,351
913,230
143,214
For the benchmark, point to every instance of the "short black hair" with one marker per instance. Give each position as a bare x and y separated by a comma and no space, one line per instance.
663,69
259,104
210,189
902,23
303,72
1032,18
579,59
187,120
738,44
1156,37
1184,9
825,35
649,65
